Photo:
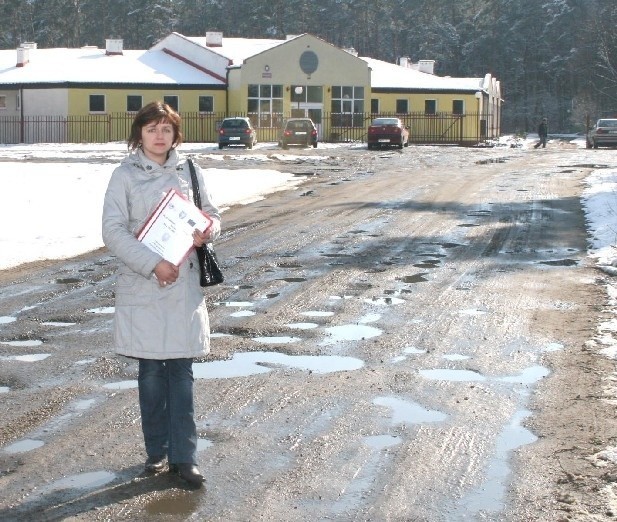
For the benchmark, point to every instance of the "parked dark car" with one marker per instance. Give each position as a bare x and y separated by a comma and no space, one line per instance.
237,131
299,131
603,134
385,132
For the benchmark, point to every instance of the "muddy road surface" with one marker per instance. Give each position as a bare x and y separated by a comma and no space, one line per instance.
406,336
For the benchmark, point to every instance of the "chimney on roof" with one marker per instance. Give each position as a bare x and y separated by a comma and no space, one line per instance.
113,46
426,66
23,53
214,39
405,61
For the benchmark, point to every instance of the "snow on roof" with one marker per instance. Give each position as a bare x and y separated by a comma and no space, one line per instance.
238,49
93,65
391,76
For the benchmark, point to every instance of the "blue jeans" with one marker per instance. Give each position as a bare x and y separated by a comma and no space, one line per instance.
166,404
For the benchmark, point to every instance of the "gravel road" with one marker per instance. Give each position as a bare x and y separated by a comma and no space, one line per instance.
406,336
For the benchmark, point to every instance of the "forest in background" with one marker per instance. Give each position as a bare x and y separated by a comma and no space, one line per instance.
554,58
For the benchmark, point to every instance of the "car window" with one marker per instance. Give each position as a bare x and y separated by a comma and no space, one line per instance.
235,124
385,121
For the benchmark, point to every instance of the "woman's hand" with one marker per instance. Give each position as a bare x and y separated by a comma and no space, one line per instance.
166,272
201,238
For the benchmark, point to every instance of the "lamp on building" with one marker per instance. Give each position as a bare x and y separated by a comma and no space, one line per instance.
299,90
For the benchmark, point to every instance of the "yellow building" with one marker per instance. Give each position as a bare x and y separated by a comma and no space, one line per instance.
90,94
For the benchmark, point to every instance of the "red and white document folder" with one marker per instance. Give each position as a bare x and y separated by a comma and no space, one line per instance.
169,229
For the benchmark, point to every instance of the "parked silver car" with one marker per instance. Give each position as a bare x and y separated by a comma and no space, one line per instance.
603,134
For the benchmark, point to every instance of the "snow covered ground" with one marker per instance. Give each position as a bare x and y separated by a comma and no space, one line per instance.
51,205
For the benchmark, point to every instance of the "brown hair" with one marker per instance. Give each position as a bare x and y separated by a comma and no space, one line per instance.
158,112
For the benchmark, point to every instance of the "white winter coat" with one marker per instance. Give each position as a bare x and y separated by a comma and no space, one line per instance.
153,322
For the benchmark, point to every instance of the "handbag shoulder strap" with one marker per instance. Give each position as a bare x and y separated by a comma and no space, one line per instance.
196,193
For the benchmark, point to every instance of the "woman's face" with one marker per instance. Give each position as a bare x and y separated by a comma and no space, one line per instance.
156,140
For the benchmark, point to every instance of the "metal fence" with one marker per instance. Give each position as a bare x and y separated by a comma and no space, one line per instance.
440,128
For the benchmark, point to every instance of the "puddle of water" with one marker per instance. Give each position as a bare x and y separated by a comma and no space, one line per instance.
369,318
444,374
57,323
252,363
380,442
302,326
560,262
34,357
416,278
120,385
102,310
203,443
528,376
93,479
407,412
277,340
398,359
385,301
85,361
489,497
23,445
455,357
7,319
243,313
351,332
237,304
427,264
271,296
4,389
552,347
180,506
24,344
84,404
317,313
413,350
68,280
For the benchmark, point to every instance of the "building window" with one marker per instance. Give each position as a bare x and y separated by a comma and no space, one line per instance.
206,104
306,94
374,106
265,105
347,106
172,101
97,103
457,107
402,106
2,101
430,107
133,103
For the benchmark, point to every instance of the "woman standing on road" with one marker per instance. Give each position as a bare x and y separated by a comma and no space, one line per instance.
161,317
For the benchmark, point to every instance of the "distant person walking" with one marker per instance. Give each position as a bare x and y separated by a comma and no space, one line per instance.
542,133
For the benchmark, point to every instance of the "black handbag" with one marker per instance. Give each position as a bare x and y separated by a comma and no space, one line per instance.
210,273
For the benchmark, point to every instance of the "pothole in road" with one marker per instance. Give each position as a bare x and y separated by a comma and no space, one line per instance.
23,446
351,332
407,412
34,357
560,262
90,480
252,363
412,279
380,442
180,506
68,280
26,343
